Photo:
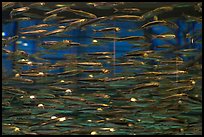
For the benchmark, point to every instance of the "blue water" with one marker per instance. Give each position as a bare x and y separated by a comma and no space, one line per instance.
84,37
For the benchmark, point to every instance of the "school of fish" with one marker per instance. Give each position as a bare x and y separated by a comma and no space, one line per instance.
112,79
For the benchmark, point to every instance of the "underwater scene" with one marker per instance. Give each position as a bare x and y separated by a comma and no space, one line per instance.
102,68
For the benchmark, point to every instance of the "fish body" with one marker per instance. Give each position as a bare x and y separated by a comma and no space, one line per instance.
89,64
20,19
164,36
116,29
57,31
159,22
6,5
82,13
34,32
74,24
127,17
91,21
127,10
52,18
37,4
156,12
19,11
101,53
193,18
55,11
9,40
131,38
39,26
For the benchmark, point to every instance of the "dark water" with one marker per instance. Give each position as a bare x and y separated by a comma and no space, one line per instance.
144,80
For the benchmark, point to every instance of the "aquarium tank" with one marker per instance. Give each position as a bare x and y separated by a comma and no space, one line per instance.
101,68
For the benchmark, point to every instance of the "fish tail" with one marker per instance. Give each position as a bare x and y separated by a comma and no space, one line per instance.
115,10
150,36
153,36
94,30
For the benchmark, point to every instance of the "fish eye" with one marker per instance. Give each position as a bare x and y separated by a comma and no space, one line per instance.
117,29
42,3
22,52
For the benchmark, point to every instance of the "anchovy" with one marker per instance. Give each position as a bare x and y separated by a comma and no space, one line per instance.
34,74
114,79
18,53
159,22
164,73
32,15
127,17
13,90
191,62
74,24
39,26
192,18
91,21
23,80
60,44
164,36
101,95
156,12
37,4
89,64
131,38
19,11
6,5
164,46
9,40
171,119
121,39
101,53
52,17
104,5
139,53
146,85
116,29
67,20
124,64
34,32
104,57
73,98
49,42
68,72
57,31
82,13
174,95
91,79
127,10
57,88
172,61
142,45
19,19
97,71
61,9
105,38
181,88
